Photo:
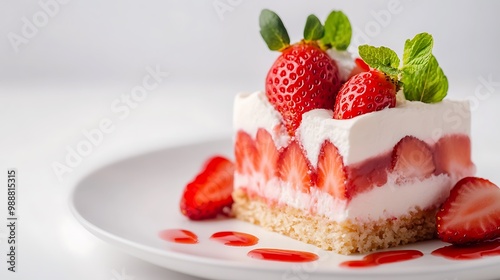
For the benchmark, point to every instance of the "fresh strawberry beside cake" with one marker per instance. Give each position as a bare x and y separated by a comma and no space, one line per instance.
471,213
344,156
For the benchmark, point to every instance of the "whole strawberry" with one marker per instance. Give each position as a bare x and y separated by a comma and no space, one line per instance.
364,93
304,76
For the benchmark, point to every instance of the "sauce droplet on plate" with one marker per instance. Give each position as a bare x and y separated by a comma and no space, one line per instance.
282,255
179,236
379,258
234,238
469,252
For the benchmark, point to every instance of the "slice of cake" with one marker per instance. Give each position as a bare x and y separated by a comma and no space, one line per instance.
344,156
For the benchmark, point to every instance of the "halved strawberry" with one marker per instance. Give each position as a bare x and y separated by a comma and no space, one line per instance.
294,168
412,158
210,191
453,155
246,154
268,154
471,213
364,93
331,175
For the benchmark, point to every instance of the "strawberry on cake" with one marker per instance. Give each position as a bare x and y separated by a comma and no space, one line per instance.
348,154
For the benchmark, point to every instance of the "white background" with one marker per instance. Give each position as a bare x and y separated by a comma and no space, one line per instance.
88,54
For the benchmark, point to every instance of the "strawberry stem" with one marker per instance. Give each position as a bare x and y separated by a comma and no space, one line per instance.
273,31
313,30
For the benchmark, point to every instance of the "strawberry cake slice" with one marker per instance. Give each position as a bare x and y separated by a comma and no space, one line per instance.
348,156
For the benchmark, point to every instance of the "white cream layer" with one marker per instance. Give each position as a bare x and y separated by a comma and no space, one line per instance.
384,202
345,62
362,137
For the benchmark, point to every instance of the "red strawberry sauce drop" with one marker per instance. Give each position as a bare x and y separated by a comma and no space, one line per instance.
179,236
469,252
379,258
234,238
282,255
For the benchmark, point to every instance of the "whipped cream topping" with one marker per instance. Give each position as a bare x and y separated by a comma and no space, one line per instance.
252,111
345,62
359,138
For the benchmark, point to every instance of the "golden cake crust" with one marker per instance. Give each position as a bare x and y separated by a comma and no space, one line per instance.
341,237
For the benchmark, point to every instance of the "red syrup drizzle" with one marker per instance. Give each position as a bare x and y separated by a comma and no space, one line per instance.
379,258
282,255
179,236
234,238
469,252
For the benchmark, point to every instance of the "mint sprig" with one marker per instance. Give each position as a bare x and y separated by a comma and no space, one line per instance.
273,30
338,31
313,30
382,58
420,75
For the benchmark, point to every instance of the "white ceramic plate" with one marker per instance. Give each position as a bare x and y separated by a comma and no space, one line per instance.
128,203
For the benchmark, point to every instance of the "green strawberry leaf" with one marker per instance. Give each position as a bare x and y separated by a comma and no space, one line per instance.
338,31
273,30
418,51
426,83
314,30
382,58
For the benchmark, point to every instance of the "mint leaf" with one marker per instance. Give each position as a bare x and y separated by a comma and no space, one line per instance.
273,31
382,58
418,51
421,77
314,30
338,31
426,83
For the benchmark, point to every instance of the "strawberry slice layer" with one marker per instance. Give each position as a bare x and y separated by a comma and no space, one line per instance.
471,213
209,194
453,155
294,168
268,154
412,158
331,176
245,151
